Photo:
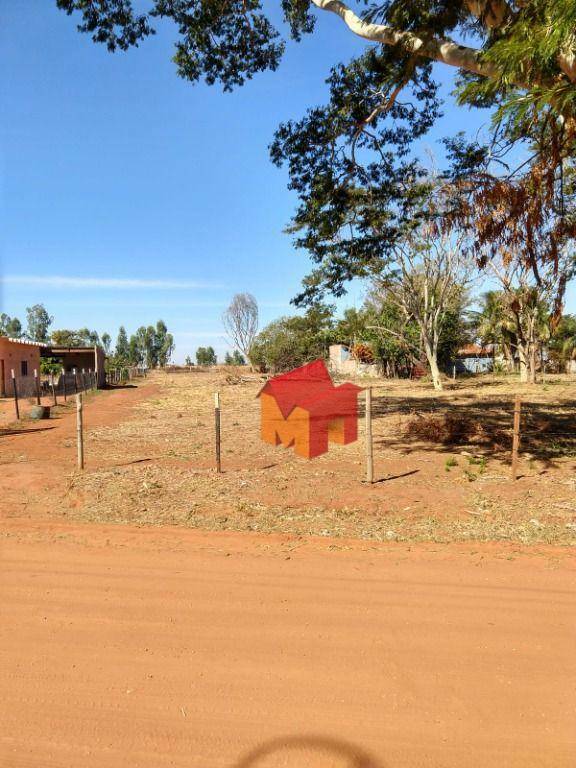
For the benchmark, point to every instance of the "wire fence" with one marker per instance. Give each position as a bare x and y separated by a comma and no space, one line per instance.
500,426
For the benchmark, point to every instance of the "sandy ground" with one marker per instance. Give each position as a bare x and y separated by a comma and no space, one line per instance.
165,647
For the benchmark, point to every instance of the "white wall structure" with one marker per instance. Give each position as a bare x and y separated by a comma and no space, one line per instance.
342,362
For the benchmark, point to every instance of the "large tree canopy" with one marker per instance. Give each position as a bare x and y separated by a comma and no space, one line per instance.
526,44
351,161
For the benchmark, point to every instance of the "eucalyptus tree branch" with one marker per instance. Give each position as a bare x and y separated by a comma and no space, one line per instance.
492,13
440,49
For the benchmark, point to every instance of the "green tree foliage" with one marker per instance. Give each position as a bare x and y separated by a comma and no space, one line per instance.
351,161
496,326
10,326
562,345
149,346
163,343
395,341
122,350
136,354
38,322
523,48
106,342
292,341
81,338
236,358
206,356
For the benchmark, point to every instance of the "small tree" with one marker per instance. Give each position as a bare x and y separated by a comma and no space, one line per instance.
106,342
427,283
166,350
163,343
292,341
10,326
206,356
38,322
122,348
241,322
526,303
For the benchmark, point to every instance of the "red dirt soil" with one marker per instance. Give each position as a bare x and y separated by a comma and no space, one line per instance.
125,647
48,448
130,647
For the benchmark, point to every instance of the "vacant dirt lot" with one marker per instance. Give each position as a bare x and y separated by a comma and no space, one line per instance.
346,637
150,460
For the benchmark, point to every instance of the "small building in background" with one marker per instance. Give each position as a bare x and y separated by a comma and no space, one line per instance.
342,361
20,358
474,359
87,359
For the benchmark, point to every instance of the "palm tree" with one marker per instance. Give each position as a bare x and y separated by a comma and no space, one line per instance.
495,325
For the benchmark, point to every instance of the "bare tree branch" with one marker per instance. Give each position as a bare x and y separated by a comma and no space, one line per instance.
241,322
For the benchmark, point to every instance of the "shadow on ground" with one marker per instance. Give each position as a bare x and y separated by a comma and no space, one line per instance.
308,751
548,431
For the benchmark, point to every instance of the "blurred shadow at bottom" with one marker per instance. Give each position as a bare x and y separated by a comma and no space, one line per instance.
308,751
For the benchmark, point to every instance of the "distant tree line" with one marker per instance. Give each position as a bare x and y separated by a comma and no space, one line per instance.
150,346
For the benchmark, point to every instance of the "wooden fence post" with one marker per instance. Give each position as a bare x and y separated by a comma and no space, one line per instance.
217,430
368,430
15,388
75,381
516,436
54,400
80,431
37,386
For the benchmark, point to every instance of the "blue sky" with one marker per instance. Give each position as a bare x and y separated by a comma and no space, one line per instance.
128,194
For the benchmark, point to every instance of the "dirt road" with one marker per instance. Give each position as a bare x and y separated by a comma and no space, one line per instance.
124,647
37,458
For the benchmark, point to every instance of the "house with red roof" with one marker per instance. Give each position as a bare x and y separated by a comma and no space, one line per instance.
304,409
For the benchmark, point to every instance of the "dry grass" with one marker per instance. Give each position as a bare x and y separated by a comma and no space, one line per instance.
159,469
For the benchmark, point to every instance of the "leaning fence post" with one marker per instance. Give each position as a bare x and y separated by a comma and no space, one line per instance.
37,386
516,437
369,447
217,430
80,431
16,406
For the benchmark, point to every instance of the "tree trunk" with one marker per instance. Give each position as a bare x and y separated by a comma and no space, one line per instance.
532,364
523,359
432,357
508,357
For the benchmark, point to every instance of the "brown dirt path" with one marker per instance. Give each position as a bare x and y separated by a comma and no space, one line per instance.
37,457
124,647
